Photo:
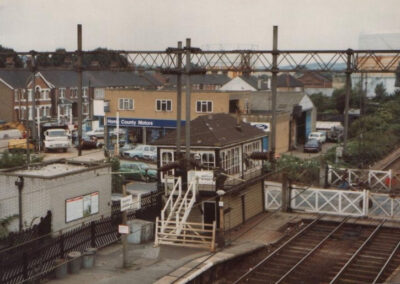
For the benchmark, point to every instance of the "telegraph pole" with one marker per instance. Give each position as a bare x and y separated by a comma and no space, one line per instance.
33,94
347,99
80,90
188,103
274,80
179,100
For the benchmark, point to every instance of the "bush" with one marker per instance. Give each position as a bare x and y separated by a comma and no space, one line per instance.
117,180
299,170
11,160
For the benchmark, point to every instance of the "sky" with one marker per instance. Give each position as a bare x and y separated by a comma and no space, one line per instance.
45,25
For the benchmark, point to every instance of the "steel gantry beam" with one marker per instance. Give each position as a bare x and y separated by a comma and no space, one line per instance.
335,61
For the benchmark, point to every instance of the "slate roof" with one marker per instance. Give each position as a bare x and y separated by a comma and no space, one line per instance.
214,130
288,81
15,78
206,79
253,81
99,79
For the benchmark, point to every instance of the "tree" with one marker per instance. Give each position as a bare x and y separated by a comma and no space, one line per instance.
380,92
58,58
3,58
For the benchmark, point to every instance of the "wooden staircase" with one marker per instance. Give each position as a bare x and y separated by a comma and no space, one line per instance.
173,228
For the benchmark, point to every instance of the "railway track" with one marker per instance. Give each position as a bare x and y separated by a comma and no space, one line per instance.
328,252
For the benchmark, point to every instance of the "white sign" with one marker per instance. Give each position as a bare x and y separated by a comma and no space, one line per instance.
220,203
123,229
264,126
82,206
204,177
126,202
339,152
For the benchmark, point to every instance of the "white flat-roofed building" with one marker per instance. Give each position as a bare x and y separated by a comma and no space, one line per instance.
74,192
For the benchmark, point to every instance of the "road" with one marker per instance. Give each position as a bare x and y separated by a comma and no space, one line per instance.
300,153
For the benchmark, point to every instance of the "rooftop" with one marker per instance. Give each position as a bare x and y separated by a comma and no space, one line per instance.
214,130
53,169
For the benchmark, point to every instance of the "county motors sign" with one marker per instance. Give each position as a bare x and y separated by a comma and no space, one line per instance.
139,122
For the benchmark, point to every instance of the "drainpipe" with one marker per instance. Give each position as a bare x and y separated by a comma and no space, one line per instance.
20,184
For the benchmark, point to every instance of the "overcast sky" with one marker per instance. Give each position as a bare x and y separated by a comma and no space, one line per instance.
156,24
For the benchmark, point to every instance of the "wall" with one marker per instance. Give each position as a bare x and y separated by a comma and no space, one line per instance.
40,195
145,103
282,129
253,197
6,106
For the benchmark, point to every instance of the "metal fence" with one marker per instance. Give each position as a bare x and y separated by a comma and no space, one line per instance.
36,259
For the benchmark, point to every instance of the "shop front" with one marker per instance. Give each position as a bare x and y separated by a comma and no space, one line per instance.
137,130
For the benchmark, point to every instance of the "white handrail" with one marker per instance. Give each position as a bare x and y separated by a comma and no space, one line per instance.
188,207
170,202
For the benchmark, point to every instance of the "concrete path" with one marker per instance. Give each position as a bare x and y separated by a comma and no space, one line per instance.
147,264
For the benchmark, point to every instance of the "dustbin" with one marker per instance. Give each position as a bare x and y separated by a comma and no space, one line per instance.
75,261
60,269
89,256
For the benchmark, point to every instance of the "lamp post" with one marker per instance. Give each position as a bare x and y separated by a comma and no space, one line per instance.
221,235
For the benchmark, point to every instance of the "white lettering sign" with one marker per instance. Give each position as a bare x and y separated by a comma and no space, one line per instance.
126,202
123,229
204,177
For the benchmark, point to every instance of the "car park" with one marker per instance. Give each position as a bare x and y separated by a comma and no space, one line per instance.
312,145
320,136
138,171
146,152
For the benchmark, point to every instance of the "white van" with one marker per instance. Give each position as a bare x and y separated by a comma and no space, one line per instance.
319,136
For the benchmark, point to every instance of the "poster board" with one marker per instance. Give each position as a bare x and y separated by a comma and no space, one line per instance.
81,206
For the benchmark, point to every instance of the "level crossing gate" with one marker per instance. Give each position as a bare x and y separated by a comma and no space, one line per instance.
355,203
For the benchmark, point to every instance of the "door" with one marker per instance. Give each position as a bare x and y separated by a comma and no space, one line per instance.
210,212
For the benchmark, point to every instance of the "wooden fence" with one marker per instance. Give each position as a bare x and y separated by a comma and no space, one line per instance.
36,259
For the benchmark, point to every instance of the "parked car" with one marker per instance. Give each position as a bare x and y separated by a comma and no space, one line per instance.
146,152
98,132
320,136
89,142
125,147
138,171
312,145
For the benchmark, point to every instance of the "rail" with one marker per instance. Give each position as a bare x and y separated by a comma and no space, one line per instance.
277,250
312,251
386,263
344,267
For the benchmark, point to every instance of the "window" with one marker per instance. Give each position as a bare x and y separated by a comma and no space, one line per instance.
85,92
166,158
248,149
23,95
230,160
126,104
16,96
164,105
62,93
30,95
74,93
204,106
207,159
